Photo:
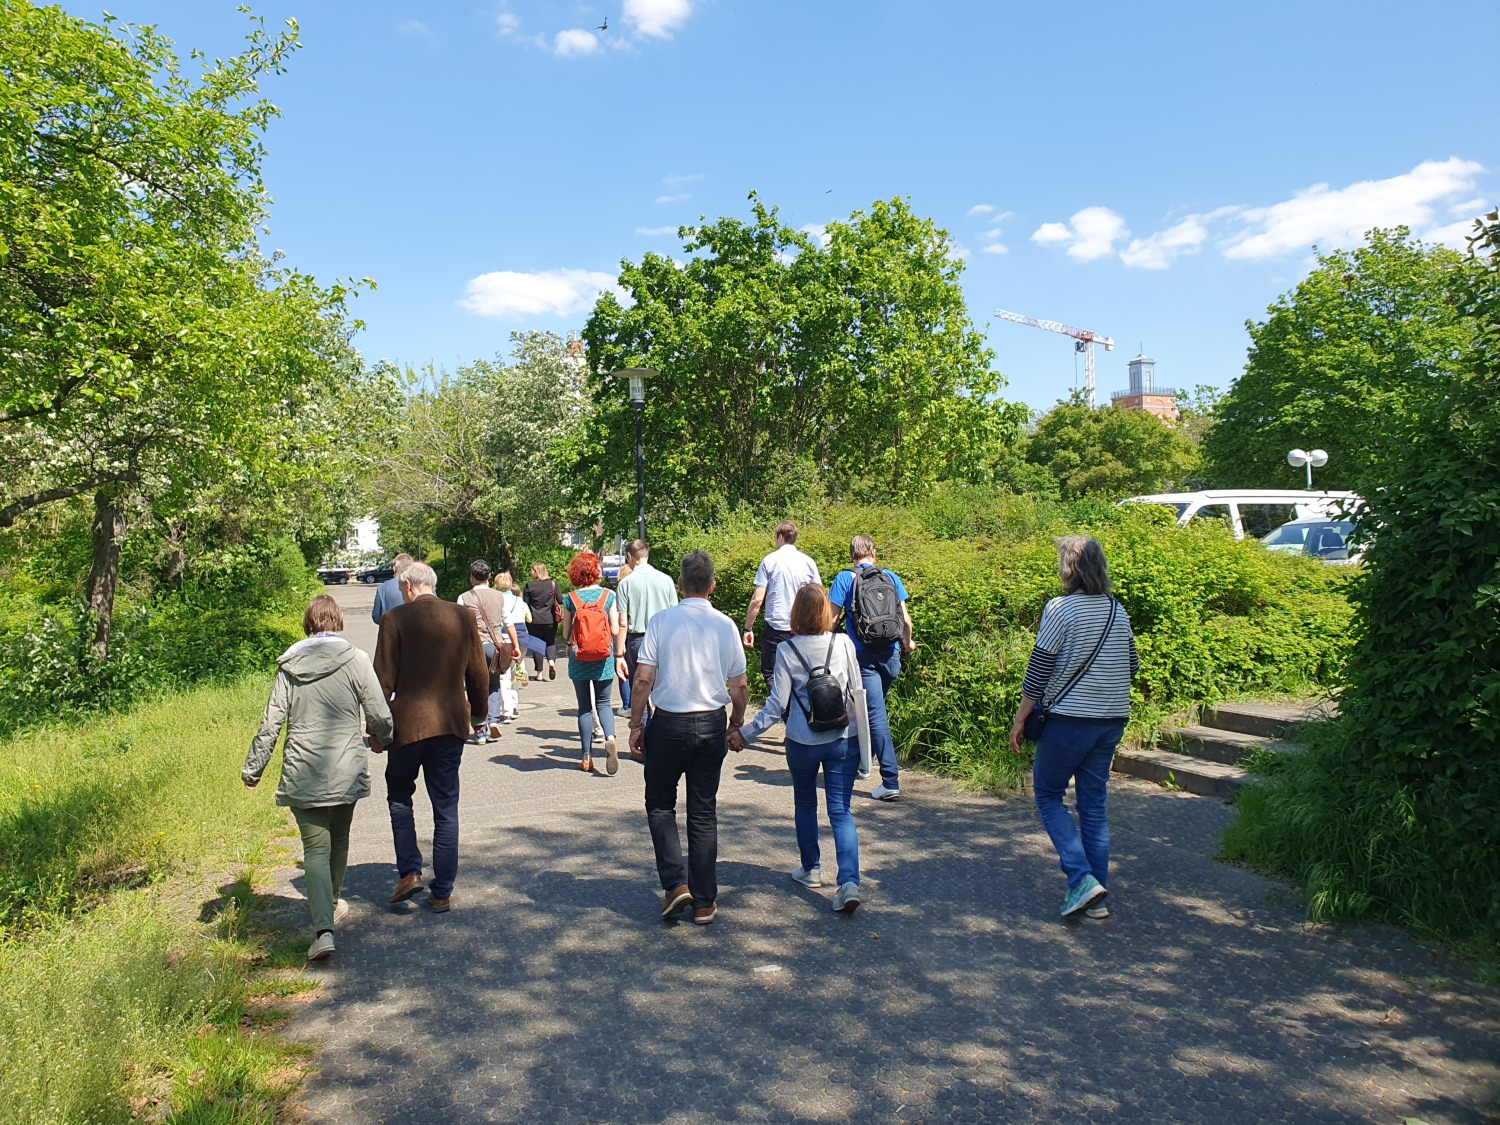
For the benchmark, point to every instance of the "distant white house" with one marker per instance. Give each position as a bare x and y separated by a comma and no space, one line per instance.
366,535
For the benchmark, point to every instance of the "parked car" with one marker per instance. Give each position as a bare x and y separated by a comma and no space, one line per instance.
1255,512
610,565
376,574
334,575
1324,539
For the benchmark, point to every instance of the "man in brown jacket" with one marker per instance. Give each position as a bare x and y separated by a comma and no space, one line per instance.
428,659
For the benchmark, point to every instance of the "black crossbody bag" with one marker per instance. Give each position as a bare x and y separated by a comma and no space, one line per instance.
1036,722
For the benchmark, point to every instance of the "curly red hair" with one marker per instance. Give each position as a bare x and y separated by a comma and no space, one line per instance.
584,570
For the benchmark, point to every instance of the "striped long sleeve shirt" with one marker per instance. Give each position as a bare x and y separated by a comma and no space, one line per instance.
1070,629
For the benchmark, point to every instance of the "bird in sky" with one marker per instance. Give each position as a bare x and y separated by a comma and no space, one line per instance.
605,25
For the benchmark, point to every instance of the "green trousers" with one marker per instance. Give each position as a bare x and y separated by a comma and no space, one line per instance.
325,855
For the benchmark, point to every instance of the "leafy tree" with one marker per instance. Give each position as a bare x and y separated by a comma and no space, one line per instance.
1111,450
848,366
1394,811
1341,363
151,353
482,455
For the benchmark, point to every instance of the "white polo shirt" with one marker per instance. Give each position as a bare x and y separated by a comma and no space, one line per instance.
695,650
782,573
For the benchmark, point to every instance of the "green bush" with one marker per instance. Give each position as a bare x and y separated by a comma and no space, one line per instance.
1213,617
1395,811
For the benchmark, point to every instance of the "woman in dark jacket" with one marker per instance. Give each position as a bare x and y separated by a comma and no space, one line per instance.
1080,672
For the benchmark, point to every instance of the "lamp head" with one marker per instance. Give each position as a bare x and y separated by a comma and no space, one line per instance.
1318,457
636,377
1299,457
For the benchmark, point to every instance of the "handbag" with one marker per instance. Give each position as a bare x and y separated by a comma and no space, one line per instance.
1036,722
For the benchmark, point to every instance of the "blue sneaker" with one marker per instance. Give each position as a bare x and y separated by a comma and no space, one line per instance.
1082,896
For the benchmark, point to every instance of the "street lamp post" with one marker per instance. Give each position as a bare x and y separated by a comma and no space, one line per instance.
1297,458
637,377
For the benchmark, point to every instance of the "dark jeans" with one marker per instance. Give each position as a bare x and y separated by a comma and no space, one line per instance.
438,760
1080,751
770,641
877,672
632,653
690,744
547,634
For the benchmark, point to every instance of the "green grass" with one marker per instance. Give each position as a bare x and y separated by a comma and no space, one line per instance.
117,1003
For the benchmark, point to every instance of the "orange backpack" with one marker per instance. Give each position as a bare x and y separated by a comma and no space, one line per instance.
591,637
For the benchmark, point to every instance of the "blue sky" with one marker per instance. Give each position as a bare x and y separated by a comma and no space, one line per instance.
1153,172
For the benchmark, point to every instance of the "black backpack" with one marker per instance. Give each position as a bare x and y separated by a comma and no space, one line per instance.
875,606
826,707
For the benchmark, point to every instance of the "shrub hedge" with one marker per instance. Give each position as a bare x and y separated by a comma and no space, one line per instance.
1213,617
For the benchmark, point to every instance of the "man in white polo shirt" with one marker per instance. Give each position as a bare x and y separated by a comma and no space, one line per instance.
781,574
690,667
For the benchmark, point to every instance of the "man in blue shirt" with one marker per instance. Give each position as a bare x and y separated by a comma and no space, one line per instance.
879,662
388,595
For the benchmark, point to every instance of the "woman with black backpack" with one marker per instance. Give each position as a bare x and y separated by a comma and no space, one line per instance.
816,672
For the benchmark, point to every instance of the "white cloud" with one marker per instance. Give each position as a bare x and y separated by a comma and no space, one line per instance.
1457,234
657,19
1157,252
981,209
994,248
959,250
574,43
419,30
676,197
676,181
1089,234
1339,217
655,232
554,292
818,232
508,23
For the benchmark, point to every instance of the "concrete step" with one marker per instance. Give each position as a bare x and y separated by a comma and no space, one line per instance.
1227,747
1268,720
1207,779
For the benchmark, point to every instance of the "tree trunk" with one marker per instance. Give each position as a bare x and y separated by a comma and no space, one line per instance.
108,534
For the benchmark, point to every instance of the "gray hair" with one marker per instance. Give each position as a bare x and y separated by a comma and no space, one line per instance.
400,563
861,547
1081,565
420,576
697,574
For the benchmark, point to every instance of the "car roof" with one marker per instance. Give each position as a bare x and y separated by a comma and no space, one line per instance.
1250,494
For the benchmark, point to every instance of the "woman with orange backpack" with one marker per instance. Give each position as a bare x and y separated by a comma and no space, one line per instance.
591,626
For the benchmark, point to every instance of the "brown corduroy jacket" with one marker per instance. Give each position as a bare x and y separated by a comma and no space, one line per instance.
428,658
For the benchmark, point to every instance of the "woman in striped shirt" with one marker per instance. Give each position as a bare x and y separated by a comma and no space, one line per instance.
1087,704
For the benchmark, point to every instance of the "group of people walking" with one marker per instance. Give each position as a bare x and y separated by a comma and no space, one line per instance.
441,678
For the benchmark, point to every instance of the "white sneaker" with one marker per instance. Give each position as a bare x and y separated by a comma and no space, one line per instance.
1100,911
847,900
883,792
340,912
495,730
321,949
808,876
478,738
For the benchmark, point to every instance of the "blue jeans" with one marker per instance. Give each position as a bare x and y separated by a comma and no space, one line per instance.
839,759
877,671
1077,750
586,711
534,645
438,760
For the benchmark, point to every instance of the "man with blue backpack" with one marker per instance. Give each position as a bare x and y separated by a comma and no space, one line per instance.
873,602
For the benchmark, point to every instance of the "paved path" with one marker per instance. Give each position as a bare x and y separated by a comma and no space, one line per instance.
552,993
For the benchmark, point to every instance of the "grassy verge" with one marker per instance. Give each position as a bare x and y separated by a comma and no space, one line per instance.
134,983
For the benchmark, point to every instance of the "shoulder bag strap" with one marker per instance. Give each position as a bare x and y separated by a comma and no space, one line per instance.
802,660
1089,663
488,624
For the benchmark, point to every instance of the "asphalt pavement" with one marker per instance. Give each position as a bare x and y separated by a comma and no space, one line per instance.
552,992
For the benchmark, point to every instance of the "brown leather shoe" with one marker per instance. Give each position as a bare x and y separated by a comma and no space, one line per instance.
675,902
703,915
409,886
440,905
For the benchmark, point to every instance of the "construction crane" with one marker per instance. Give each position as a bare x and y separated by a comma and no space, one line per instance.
1084,342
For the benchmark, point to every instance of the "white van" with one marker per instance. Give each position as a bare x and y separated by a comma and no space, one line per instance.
1251,511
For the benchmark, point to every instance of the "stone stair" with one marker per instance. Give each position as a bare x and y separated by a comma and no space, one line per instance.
1204,758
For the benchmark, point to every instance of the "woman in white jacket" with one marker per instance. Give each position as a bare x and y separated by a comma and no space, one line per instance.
815,649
